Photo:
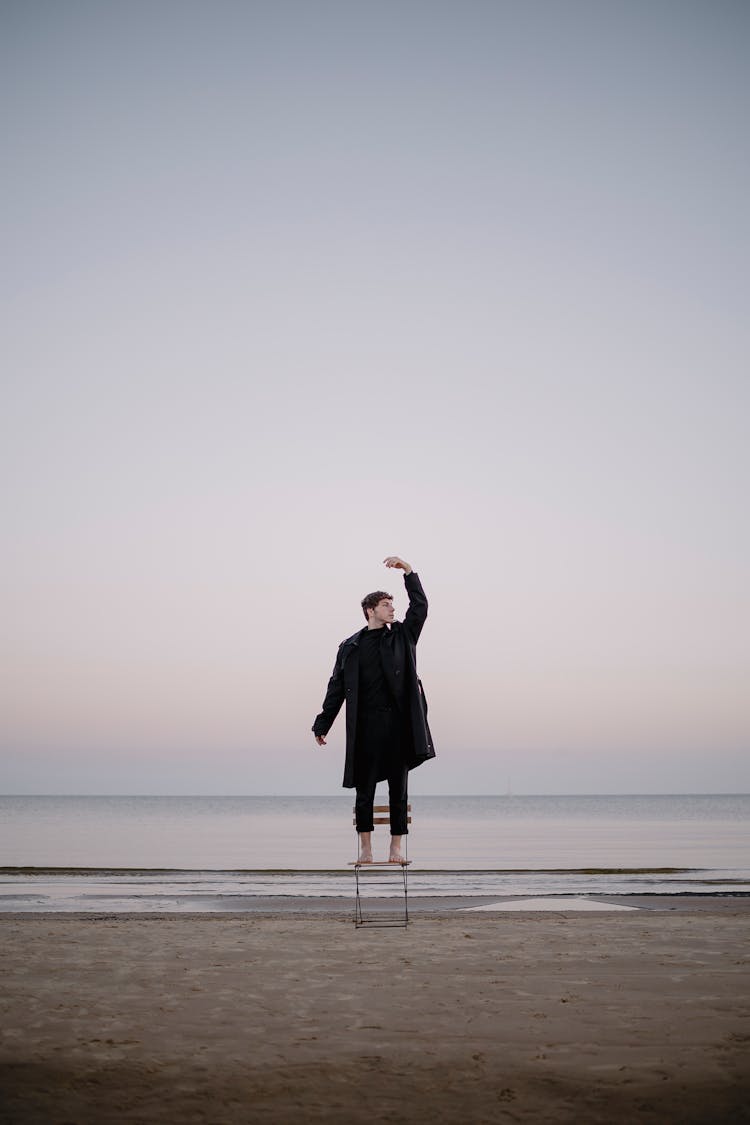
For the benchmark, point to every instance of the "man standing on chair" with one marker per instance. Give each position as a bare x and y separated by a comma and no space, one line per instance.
386,711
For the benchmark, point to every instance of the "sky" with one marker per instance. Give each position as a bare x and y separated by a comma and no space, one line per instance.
293,285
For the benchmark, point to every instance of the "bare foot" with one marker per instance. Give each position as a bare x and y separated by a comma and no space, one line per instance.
365,847
395,851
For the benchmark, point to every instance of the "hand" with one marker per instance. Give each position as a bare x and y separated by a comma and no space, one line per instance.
399,564
320,740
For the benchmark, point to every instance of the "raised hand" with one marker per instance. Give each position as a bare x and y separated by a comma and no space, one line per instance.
397,563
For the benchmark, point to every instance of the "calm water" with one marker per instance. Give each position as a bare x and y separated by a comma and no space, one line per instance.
262,833
218,847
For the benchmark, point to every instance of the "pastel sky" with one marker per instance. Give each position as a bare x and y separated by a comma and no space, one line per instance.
296,284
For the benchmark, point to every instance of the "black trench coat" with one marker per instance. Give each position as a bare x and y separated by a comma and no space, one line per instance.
399,654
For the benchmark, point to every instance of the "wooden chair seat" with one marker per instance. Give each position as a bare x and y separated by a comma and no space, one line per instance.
379,863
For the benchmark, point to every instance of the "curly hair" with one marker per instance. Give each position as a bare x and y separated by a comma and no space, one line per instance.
371,600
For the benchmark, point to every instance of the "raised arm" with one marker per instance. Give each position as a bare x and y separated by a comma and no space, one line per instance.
416,614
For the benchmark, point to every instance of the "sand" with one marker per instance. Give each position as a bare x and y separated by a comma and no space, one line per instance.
472,1017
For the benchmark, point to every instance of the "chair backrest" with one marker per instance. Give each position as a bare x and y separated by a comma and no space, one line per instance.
379,818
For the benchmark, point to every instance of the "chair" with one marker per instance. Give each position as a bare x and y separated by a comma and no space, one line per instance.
379,874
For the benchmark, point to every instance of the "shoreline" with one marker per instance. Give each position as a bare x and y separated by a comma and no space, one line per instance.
28,870
341,908
125,891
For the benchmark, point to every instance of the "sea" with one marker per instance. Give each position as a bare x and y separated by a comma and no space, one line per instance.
141,853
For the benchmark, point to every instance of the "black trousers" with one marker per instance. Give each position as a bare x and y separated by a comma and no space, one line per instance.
379,756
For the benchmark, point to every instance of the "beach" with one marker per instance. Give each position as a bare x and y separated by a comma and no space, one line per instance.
288,1015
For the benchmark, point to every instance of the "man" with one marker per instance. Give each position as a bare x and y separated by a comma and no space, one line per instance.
386,710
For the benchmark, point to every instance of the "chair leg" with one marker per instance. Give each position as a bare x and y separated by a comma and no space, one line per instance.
359,918
358,921
406,896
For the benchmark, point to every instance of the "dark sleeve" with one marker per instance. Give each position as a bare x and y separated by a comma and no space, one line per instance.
416,614
333,700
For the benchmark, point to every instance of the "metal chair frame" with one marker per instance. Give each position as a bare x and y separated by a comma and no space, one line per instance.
381,816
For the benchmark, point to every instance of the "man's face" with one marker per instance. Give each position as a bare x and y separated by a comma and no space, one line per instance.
383,612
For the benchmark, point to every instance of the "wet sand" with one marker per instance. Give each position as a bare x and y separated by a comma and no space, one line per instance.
462,1017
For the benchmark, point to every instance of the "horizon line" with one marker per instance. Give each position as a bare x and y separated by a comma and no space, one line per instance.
318,796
